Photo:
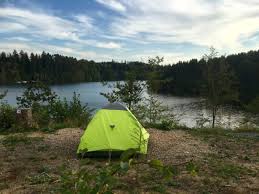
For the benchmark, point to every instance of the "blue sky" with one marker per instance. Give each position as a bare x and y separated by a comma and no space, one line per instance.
103,30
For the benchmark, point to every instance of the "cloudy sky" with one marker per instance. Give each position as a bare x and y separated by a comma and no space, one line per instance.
129,29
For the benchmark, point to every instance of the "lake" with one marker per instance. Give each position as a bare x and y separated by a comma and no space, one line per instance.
187,110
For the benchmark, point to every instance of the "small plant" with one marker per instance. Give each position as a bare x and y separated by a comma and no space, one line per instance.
7,117
40,178
192,168
88,181
106,179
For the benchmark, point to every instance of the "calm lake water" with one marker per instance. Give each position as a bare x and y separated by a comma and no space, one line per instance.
187,110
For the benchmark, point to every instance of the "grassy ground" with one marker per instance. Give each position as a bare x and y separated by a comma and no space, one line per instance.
203,161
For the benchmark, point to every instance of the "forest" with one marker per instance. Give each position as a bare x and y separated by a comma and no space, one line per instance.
184,78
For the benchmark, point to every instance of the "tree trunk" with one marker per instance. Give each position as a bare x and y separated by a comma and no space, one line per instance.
129,106
213,117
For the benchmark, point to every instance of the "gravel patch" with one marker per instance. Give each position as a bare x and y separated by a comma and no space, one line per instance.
169,146
174,147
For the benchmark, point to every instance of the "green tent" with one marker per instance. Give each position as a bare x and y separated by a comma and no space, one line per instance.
113,128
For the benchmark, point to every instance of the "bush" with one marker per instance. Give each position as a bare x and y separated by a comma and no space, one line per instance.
7,116
153,114
73,113
165,125
49,112
40,114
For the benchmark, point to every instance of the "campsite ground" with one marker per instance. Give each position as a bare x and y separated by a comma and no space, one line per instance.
207,161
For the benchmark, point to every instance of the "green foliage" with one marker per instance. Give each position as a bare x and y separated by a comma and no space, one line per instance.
128,92
7,116
49,112
220,83
40,178
152,113
73,112
192,168
125,156
36,93
153,77
89,181
40,114
62,69
106,179
253,106
183,78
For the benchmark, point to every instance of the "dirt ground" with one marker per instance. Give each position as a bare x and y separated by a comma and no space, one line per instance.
28,160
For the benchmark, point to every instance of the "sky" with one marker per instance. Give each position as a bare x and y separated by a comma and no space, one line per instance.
131,30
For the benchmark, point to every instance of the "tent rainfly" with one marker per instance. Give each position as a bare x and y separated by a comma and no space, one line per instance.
113,128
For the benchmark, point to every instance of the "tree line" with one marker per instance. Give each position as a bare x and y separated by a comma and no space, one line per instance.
187,78
183,78
61,69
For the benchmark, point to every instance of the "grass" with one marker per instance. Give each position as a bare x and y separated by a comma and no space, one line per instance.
41,178
227,169
247,129
13,140
221,133
233,160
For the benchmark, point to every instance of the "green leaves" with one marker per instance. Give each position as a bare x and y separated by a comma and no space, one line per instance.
167,171
156,164
192,168
36,92
128,92
126,155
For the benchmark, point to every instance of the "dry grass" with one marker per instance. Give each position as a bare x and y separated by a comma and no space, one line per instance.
34,167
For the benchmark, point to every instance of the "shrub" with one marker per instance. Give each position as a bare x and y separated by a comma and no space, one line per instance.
40,115
152,113
7,116
72,113
51,112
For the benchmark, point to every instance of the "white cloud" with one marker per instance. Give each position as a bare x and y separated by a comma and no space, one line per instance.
85,22
113,4
199,22
10,26
46,26
70,50
169,57
10,46
108,45
148,24
40,23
